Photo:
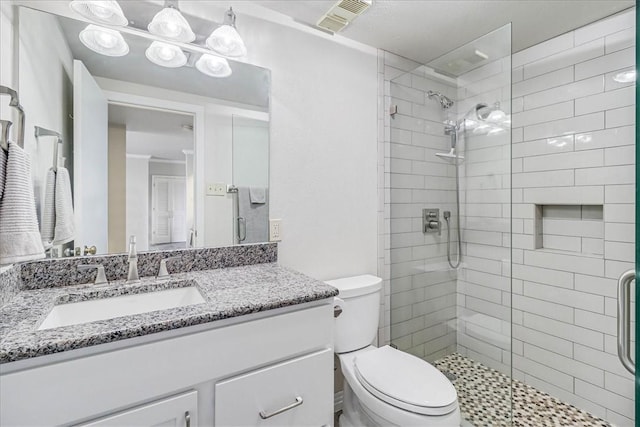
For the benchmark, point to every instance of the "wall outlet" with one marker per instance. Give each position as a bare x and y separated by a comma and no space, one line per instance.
275,230
216,189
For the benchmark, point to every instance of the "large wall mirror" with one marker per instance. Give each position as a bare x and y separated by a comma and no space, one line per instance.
174,156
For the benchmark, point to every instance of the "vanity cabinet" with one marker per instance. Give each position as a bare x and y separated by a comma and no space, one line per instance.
177,411
223,373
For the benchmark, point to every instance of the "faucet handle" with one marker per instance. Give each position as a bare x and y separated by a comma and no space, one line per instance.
101,277
162,271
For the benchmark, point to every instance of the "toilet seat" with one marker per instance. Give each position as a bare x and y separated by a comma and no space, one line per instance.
405,381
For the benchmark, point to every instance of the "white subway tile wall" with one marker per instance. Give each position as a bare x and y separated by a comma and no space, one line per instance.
577,148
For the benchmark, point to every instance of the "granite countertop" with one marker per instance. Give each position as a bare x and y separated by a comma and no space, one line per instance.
229,292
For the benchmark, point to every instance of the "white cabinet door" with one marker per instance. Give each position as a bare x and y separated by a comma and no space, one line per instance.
176,411
297,392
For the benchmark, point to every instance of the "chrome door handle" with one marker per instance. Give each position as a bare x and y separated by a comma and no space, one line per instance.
298,402
187,419
624,320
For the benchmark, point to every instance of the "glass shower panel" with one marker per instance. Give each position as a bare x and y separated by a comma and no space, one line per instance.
450,189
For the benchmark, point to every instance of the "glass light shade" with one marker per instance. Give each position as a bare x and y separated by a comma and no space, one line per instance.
104,41
104,12
166,55
213,66
170,24
226,41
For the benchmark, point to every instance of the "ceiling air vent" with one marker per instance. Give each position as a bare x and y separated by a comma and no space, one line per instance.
342,13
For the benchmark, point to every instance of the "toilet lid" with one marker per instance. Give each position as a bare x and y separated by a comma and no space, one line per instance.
405,381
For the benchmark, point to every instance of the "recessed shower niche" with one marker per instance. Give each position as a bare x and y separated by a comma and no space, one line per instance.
570,228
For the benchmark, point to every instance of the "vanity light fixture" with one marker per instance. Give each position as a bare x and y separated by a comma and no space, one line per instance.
225,39
213,66
170,24
104,12
104,41
166,55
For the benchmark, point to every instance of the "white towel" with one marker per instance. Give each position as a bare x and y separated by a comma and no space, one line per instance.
48,217
257,195
3,169
65,228
19,232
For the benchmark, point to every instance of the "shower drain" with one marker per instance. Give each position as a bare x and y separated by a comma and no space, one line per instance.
451,377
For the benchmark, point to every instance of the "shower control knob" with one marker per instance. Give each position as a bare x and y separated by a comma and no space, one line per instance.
434,225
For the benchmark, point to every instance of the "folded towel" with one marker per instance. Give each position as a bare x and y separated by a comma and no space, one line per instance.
3,169
48,217
19,232
257,194
65,228
256,217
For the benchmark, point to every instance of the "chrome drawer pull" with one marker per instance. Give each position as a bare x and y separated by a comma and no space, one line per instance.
298,402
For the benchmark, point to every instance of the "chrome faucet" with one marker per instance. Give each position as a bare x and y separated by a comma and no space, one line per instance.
133,261
163,273
100,275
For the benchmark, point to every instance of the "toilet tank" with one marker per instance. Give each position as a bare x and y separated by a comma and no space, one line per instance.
357,326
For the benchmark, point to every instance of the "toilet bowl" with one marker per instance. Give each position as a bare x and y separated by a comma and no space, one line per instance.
384,386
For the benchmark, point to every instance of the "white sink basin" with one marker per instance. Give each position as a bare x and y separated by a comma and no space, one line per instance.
125,305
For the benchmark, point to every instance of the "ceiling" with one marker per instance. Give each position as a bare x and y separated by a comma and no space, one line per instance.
423,30
156,133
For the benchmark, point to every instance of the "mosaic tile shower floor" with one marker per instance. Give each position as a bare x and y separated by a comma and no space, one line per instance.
484,395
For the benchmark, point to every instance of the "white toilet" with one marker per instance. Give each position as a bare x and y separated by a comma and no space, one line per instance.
384,386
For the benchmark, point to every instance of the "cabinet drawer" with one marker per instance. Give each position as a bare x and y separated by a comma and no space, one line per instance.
176,411
302,388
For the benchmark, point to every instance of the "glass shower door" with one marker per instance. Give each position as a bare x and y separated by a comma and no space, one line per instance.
450,221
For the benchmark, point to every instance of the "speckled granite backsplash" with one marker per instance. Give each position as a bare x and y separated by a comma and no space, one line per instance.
60,272
9,285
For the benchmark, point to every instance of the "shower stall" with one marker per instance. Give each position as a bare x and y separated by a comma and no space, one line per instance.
511,216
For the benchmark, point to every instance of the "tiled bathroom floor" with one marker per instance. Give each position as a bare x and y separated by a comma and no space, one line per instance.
484,395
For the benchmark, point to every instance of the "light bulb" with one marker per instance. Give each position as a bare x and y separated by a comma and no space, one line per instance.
169,23
104,41
226,41
213,66
166,55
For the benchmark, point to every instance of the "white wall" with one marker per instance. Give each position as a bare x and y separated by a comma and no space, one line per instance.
8,28
46,92
138,200
323,148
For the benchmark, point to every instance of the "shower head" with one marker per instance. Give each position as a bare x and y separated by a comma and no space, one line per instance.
443,100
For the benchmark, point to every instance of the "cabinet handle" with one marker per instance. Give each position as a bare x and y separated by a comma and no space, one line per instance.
187,419
298,402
